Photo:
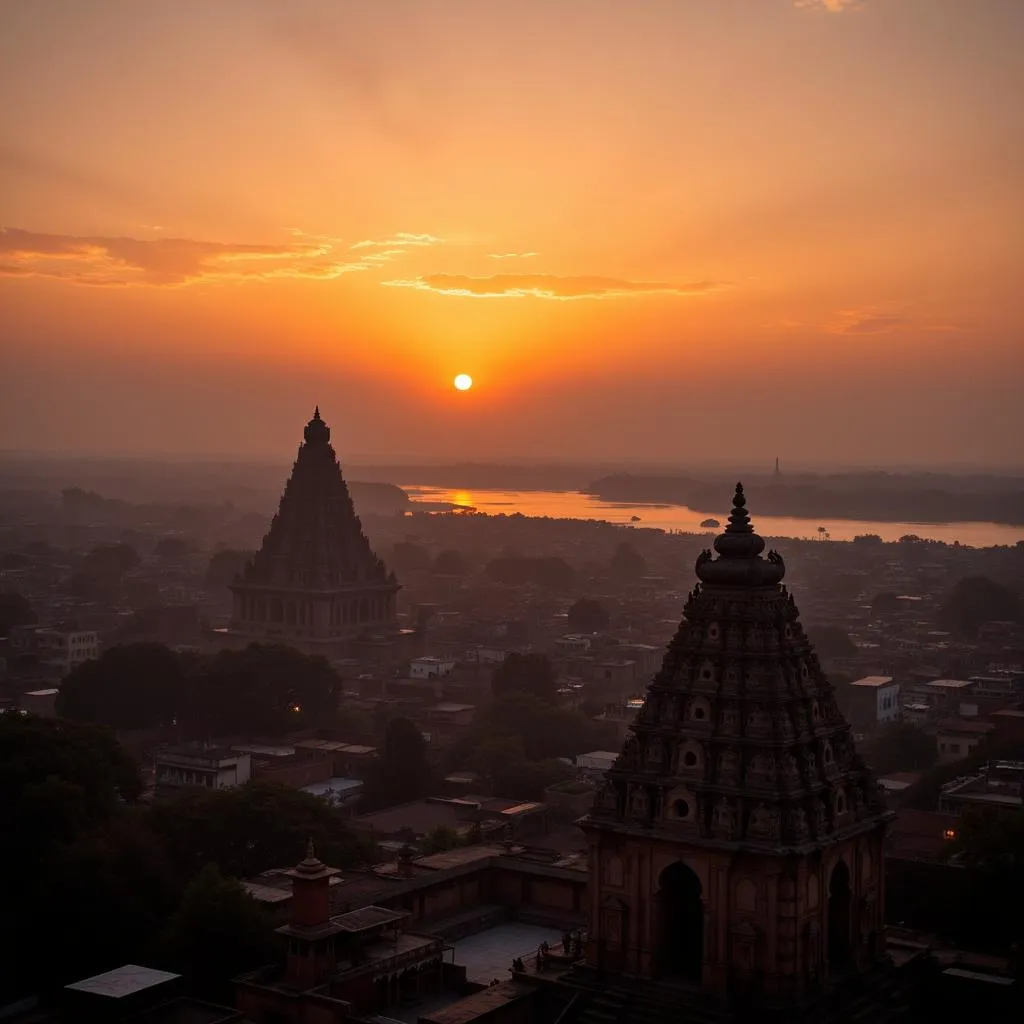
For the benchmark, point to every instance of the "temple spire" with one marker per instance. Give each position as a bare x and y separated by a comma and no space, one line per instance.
739,562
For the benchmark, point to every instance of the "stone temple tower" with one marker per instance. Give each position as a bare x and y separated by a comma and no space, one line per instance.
315,584
736,846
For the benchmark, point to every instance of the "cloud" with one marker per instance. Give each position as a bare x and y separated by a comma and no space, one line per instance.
512,255
546,286
874,321
833,6
120,260
398,241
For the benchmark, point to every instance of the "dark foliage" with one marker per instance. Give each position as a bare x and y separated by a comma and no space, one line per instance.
832,642
217,931
15,610
627,563
402,772
132,686
266,689
451,563
975,600
901,747
407,556
588,616
526,673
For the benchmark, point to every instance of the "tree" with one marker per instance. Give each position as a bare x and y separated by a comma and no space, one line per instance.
224,566
171,549
867,540
15,610
450,563
902,747
402,772
627,563
57,779
131,686
588,616
265,689
250,828
439,840
110,561
543,731
526,673
832,642
218,931
975,600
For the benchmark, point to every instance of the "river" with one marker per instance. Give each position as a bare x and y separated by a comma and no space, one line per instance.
573,505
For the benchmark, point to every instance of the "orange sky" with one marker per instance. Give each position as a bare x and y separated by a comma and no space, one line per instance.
666,229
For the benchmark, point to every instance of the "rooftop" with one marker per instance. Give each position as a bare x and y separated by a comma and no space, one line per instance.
874,681
369,917
950,684
123,981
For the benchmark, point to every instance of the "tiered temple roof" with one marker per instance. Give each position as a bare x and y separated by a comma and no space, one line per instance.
740,742
316,541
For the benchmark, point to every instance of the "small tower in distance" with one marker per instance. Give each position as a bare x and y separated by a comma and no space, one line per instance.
310,932
778,471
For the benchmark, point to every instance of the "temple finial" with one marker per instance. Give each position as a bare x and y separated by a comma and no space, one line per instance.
316,413
310,850
739,521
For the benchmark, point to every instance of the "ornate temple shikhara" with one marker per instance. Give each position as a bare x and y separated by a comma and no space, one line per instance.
737,843
315,584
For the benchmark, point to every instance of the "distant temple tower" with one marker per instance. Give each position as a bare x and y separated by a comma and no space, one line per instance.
736,846
315,584
778,469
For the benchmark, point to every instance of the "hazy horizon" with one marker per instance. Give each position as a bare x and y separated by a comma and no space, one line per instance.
677,233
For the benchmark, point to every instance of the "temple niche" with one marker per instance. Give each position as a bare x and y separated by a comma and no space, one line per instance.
755,833
315,583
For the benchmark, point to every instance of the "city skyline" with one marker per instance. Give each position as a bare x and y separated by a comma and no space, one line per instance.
670,232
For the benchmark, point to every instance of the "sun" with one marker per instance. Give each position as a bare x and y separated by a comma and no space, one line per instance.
463,382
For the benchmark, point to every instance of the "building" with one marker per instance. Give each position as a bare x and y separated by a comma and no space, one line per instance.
736,848
999,785
192,765
337,967
136,995
40,702
957,737
59,649
873,700
315,583
430,667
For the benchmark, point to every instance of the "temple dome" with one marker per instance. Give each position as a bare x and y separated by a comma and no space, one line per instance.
317,432
739,562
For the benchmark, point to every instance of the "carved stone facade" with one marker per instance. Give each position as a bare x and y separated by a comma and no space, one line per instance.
739,801
315,583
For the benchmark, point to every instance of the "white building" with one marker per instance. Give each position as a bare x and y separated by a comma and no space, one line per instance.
876,699
62,650
430,667
208,767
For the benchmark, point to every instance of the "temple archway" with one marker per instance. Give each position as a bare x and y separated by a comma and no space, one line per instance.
680,946
839,898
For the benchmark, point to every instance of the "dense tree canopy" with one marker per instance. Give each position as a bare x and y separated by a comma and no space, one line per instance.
171,548
265,689
627,563
131,686
541,730
526,673
588,616
15,610
975,600
402,772
217,932
901,747
451,563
